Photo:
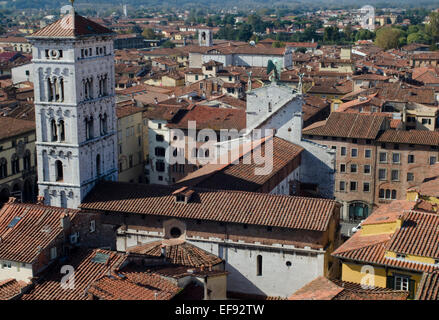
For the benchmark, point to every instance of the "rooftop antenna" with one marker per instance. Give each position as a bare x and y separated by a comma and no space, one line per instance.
73,8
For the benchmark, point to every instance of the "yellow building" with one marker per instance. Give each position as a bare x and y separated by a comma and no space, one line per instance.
17,160
392,249
130,142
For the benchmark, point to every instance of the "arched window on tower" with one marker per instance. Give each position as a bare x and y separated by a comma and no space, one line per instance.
105,122
59,170
98,165
62,130
3,168
90,128
53,128
85,83
61,87
270,108
15,163
57,89
27,160
49,90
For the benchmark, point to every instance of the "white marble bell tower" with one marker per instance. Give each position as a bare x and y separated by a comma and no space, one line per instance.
75,108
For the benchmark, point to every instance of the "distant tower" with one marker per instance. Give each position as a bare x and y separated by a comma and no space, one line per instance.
125,10
205,38
74,108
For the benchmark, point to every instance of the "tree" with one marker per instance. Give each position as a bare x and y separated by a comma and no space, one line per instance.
331,35
168,44
270,66
348,32
301,50
149,34
388,38
278,44
244,32
433,27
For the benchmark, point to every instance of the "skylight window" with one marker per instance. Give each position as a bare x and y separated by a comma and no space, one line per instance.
14,222
101,258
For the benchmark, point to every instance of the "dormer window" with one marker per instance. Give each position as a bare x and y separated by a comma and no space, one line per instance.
180,198
183,195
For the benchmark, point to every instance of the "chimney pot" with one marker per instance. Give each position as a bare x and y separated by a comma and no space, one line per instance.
40,200
12,200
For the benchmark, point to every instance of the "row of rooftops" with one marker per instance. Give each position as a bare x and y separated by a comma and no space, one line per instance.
370,127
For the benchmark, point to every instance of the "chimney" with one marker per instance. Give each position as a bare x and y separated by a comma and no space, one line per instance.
156,101
65,220
12,200
163,251
40,200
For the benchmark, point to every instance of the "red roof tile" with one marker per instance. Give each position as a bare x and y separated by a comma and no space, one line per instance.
223,206
180,253
348,125
71,26
87,270
36,226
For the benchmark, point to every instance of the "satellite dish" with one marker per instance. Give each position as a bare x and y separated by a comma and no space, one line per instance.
252,43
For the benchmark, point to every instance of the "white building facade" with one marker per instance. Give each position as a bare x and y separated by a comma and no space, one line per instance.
76,122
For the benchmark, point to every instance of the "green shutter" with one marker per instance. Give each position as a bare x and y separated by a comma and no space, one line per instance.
390,282
412,289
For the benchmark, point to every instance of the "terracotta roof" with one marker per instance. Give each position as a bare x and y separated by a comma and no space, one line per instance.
430,185
126,110
390,212
318,289
10,127
27,228
426,56
325,289
348,125
418,235
222,206
213,118
11,288
129,286
419,137
428,288
177,252
89,265
239,175
71,26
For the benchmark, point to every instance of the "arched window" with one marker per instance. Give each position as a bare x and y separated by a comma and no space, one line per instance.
206,153
98,165
26,160
387,194
89,128
103,123
49,90
270,107
62,130
15,163
59,170
259,265
3,168
53,130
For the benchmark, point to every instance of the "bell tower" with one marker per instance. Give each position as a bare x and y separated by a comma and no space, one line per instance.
75,113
